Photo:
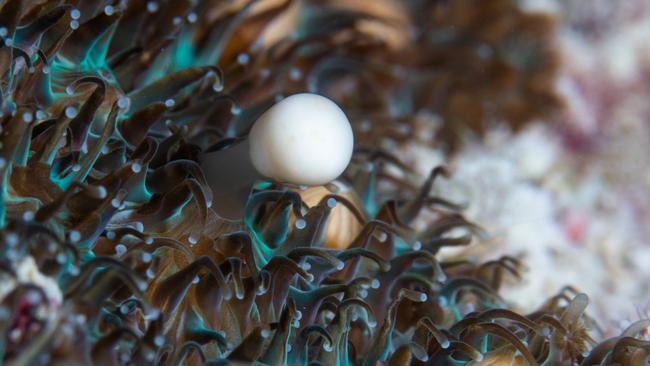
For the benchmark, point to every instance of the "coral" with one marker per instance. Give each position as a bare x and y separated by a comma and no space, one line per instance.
106,110
469,62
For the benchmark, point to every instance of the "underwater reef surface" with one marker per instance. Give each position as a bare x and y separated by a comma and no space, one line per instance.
569,193
112,254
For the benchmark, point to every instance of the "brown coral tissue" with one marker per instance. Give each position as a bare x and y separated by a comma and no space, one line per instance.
113,255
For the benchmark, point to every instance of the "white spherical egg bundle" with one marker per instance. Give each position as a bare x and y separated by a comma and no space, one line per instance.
305,139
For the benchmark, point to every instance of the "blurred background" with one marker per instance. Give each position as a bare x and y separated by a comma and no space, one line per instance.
569,194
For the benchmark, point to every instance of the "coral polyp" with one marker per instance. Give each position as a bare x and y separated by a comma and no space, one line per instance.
112,253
